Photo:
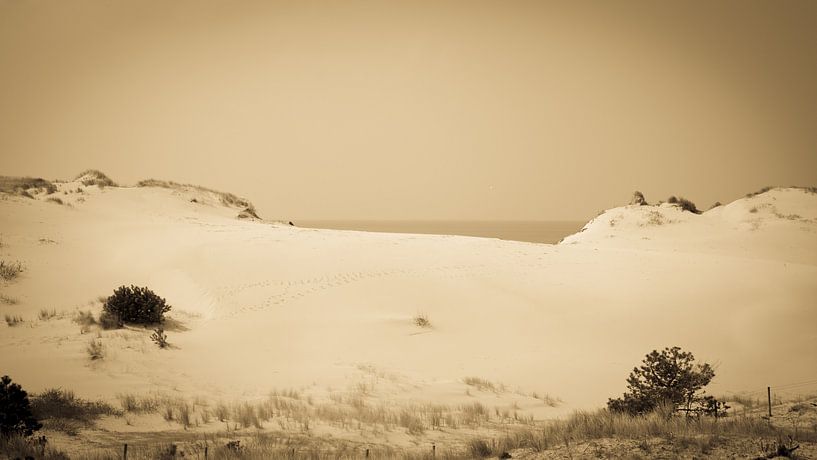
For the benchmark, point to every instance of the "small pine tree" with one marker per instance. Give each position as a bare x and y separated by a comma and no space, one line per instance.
137,305
670,376
15,410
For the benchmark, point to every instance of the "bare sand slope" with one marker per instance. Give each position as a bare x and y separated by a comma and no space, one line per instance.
258,305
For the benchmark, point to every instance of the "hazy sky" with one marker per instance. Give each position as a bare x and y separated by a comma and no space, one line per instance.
416,109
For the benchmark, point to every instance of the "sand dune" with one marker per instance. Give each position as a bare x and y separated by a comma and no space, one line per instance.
259,305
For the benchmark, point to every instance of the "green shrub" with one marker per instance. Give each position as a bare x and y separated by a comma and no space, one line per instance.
15,410
137,305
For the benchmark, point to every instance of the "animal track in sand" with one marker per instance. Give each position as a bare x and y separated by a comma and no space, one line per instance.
291,290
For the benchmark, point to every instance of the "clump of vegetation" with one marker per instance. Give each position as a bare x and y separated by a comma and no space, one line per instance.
159,337
18,447
95,349
763,190
15,410
137,305
21,185
13,320
109,320
85,318
10,270
248,213
56,403
480,383
684,204
638,199
46,314
716,204
479,448
95,177
655,218
668,377
55,199
422,320
4,299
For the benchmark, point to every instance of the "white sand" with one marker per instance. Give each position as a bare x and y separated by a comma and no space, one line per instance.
267,306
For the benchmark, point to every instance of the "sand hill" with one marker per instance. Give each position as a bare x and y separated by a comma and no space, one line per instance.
259,305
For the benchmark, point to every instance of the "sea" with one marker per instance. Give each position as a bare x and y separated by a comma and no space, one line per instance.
529,231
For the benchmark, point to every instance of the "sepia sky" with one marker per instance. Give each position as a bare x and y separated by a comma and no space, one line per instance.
416,109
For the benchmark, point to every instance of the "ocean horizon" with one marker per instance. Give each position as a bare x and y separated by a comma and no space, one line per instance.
549,232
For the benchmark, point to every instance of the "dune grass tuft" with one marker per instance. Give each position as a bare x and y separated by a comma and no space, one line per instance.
13,320
422,320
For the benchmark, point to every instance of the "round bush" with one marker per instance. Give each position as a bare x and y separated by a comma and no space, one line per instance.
135,304
15,410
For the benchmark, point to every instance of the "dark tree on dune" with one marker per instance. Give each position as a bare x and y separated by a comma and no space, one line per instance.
15,410
670,376
137,305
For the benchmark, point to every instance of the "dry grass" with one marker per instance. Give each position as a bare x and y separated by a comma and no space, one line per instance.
95,177
54,199
46,314
85,318
21,185
13,320
292,413
480,384
6,300
227,199
95,349
21,447
56,403
702,434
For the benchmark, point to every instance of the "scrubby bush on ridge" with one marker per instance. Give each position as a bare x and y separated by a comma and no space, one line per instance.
684,204
638,199
137,305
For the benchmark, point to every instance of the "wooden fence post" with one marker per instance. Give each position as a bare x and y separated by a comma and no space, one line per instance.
769,394
125,452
